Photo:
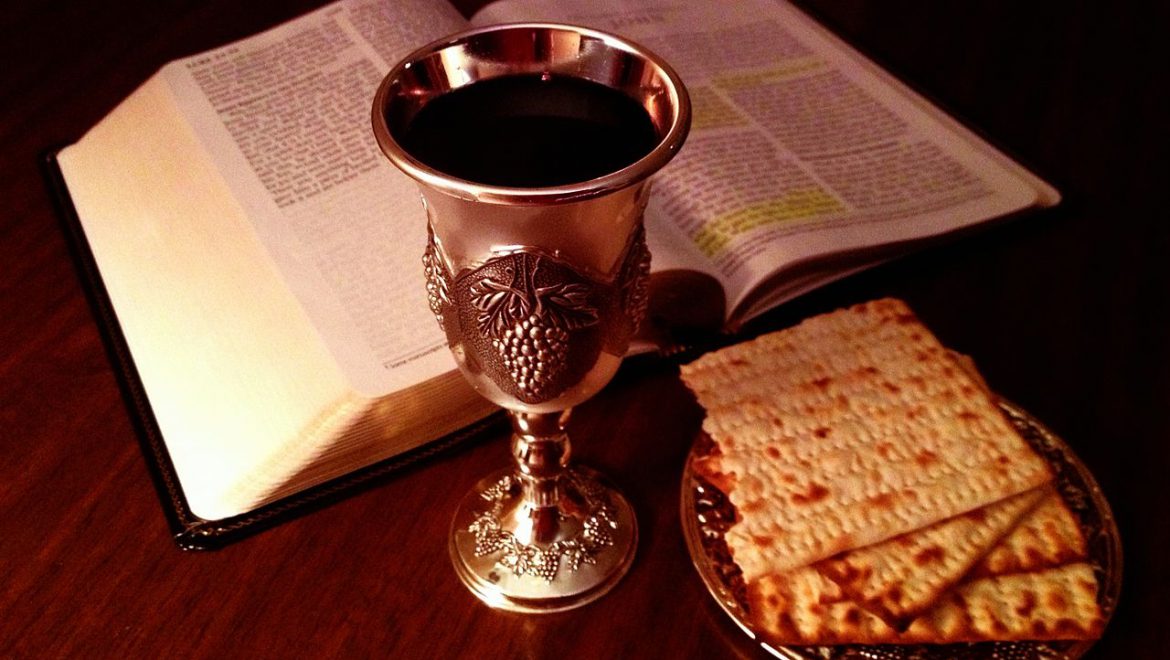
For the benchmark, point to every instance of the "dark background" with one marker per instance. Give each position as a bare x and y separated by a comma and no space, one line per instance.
1065,312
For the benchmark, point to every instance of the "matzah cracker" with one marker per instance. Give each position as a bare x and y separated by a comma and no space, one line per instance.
846,430
1048,536
803,607
1057,603
900,578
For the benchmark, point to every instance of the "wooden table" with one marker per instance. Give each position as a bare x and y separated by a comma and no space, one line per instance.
1067,312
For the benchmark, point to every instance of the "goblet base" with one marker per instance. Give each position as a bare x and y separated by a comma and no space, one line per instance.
515,557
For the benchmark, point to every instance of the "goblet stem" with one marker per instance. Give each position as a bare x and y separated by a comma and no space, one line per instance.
541,449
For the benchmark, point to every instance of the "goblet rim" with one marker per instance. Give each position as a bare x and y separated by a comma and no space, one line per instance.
665,149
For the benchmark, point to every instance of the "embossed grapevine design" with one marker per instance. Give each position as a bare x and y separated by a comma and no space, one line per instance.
636,279
543,562
438,293
529,325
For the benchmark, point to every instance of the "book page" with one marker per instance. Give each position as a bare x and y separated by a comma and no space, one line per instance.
285,116
231,368
799,147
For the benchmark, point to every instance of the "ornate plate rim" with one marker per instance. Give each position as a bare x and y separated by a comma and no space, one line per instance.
1074,481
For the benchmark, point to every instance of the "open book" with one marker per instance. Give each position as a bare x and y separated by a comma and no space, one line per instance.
262,259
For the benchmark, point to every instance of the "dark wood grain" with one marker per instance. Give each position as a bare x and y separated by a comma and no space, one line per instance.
1065,311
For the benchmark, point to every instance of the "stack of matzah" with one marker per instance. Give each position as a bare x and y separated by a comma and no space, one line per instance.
881,496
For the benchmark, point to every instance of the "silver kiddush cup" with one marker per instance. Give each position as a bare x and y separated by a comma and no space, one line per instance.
538,290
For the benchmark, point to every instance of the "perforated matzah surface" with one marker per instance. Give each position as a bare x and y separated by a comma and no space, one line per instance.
846,430
900,578
1048,536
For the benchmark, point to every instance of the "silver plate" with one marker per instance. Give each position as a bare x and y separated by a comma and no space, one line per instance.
707,513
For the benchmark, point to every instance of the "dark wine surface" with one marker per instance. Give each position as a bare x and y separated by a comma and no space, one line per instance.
530,131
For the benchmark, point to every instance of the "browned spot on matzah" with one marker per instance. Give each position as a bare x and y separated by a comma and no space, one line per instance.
925,458
1033,556
1025,608
1069,628
1057,602
753,506
815,493
928,555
